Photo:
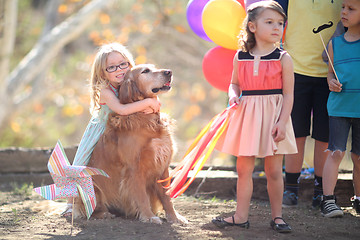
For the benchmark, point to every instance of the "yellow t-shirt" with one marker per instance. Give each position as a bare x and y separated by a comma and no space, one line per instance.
301,43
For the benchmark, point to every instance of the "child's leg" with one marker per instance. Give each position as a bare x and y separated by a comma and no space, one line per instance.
245,167
339,130
356,182
320,156
355,157
331,169
356,173
328,205
293,165
275,184
355,154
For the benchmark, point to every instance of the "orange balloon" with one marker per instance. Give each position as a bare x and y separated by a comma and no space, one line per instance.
222,21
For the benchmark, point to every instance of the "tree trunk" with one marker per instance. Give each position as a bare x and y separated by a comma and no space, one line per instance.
8,18
51,21
8,11
44,51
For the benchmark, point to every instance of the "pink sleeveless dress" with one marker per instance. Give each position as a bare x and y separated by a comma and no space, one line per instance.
251,122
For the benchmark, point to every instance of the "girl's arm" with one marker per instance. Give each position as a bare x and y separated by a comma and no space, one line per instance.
334,84
234,89
288,97
148,105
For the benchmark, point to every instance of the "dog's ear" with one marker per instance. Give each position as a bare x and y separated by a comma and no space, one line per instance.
129,92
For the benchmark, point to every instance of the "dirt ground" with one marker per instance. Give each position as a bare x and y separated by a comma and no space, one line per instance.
18,220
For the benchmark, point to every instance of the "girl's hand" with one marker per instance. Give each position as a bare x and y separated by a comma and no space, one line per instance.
153,105
278,132
335,85
233,100
148,110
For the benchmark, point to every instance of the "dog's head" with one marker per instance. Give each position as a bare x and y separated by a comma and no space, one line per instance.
144,81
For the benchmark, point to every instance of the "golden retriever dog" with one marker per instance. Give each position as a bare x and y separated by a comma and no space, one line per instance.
135,151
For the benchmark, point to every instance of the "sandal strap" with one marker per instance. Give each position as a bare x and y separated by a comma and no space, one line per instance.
278,218
233,219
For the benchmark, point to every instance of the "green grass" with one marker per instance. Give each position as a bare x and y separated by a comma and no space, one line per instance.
16,216
25,190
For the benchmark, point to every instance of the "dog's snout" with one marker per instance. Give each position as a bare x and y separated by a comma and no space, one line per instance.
167,73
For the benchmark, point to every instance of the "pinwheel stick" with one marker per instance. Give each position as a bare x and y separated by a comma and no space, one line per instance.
72,216
315,31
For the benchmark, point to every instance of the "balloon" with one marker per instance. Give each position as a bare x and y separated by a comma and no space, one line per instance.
242,3
193,14
222,21
249,2
217,67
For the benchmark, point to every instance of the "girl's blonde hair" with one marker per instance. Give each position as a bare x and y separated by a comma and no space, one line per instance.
97,77
247,39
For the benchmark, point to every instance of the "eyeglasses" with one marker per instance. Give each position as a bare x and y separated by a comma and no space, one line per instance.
114,68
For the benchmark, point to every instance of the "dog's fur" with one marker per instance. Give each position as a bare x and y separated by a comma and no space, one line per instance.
135,151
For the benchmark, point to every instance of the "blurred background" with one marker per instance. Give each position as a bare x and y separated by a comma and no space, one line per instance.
55,103
44,73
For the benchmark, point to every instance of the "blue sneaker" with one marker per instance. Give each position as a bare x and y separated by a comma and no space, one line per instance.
290,199
316,202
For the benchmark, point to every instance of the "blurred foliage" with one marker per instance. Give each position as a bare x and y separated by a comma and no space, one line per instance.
155,32
24,190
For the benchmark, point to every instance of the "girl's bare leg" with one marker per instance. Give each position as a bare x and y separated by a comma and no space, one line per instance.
244,188
275,184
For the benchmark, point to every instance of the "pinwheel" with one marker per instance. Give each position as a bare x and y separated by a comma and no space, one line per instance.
197,154
70,181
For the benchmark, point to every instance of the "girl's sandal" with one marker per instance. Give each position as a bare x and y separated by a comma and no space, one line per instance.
221,223
68,211
280,227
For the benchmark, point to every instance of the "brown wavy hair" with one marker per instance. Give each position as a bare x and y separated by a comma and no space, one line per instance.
246,38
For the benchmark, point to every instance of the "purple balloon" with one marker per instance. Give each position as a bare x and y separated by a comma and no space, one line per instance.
249,2
194,17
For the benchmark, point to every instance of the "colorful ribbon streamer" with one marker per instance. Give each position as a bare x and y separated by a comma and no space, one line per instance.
197,154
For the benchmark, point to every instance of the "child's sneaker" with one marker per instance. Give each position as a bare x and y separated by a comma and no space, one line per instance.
316,202
290,199
356,204
329,208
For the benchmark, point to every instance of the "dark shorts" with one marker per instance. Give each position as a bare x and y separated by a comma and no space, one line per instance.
339,131
310,99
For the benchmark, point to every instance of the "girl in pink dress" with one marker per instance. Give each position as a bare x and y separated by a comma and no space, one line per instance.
262,87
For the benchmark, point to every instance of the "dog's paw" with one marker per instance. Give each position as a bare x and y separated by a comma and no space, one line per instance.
103,215
177,218
155,219
108,215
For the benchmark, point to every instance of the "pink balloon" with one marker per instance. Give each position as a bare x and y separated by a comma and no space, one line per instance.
217,67
193,14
